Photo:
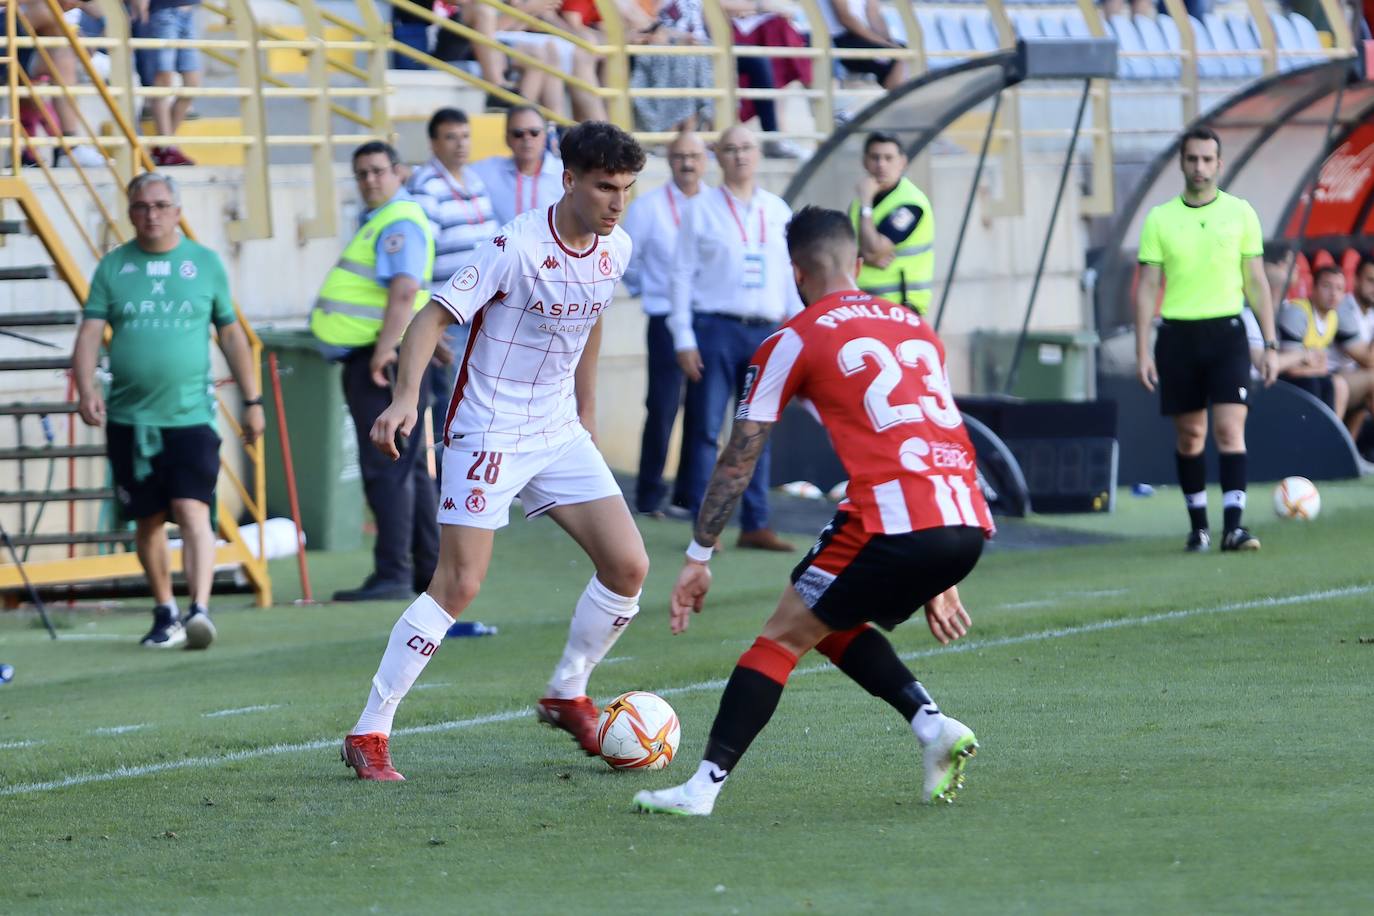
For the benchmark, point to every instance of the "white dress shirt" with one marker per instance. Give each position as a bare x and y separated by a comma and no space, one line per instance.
653,222
731,260
512,193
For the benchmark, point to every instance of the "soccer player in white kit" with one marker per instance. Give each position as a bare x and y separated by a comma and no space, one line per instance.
520,423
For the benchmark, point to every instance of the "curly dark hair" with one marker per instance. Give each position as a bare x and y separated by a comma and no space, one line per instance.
599,145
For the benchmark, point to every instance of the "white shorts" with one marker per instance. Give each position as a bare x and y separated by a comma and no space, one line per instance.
478,487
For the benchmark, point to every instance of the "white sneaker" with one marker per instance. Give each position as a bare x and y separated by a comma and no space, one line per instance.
783,149
676,800
199,628
944,760
87,156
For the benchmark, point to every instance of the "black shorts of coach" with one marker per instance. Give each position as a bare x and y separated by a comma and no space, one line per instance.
1201,363
186,468
851,576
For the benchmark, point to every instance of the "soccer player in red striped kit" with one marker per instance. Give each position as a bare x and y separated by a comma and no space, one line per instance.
911,527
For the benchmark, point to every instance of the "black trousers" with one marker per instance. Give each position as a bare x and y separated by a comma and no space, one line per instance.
401,494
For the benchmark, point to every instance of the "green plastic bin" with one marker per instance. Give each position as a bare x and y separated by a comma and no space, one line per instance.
1055,365
324,446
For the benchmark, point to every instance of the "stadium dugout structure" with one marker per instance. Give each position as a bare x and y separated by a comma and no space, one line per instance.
1279,136
918,113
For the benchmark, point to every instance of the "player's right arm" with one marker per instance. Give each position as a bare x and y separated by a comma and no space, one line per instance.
90,399
417,347
1146,297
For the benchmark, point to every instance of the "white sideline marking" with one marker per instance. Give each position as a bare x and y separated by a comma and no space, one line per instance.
617,660
1055,599
118,729
131,772
240,711
16,745
432,686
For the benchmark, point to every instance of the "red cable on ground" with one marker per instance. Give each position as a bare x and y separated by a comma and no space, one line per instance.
290,474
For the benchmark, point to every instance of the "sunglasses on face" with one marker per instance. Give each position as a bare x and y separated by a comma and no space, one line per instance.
521,133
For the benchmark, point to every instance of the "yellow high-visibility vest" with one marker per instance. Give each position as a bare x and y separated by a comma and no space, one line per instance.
351,304
913,262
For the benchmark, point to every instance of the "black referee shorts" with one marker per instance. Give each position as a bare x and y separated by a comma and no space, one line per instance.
1202,362
186,468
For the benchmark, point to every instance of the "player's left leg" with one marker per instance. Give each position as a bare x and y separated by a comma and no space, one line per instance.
747,703
1228,428
604,528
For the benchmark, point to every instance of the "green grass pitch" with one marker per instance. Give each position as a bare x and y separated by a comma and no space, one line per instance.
1161,733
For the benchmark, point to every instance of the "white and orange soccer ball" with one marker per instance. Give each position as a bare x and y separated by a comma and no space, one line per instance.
638,731
1297,497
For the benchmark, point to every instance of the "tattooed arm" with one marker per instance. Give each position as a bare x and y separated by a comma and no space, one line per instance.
734,469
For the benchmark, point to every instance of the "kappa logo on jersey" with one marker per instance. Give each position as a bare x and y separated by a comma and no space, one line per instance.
465,279
476,502
449,504
499,242
605,263
550,263
128,269
187,270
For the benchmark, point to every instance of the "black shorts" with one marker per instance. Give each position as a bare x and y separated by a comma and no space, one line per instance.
852,576
1202,362
186,468
879,67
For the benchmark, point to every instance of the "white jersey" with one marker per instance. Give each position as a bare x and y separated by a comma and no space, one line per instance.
531,302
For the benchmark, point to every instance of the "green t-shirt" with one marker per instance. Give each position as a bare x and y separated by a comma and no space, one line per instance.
159,307
1202,251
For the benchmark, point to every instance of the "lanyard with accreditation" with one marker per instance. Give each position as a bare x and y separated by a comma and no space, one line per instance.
474,210
753,260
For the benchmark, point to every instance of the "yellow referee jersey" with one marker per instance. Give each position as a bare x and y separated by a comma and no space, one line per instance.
1202,251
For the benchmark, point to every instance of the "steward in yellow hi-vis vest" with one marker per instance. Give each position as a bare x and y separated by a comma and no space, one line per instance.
895,227
364,307
352,301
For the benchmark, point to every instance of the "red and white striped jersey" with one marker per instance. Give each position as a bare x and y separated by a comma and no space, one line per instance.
874,374
531,302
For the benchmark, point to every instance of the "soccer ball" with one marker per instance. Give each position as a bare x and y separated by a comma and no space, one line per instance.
1297,497
638,731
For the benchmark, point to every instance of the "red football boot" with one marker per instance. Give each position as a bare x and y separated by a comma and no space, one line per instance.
577,717
368,755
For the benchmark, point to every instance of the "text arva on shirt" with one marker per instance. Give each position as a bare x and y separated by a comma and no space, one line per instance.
842,313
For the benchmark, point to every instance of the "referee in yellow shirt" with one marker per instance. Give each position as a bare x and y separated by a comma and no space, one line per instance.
1207,246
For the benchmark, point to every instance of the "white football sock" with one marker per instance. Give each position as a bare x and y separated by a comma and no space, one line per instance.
927,723
707,781
599,619
413,642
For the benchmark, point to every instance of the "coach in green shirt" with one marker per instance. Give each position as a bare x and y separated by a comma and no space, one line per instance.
159,295
1206,246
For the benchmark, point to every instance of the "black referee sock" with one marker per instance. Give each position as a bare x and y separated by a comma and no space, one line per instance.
1233,474
1192,479
870,661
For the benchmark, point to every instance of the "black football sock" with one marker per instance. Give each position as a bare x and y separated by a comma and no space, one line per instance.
1192,479
748,701
1233,473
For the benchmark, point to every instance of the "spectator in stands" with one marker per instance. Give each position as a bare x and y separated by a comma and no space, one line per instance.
731,285
1327,323
895,226
860,24
652,222
160,415
679,23
559,54
382,278
170,19
765,23
460,215
531,176
413,32
45,25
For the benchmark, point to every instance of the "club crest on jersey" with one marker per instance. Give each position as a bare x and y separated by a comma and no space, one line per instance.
187,270
465,279
550,263
605,263
476,502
